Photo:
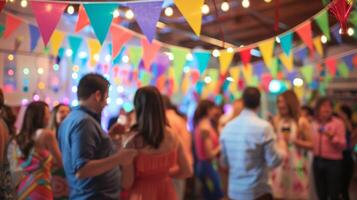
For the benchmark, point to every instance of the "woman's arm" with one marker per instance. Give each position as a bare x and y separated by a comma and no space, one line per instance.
50,143
304,139
208,145
184,168
127,179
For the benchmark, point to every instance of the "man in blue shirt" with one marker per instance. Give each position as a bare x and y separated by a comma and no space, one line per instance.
90,160
249,150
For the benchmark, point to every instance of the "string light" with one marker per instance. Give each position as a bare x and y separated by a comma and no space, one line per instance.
74,102
208,79
10,72
125,59
41,85
205,9
96,57
40,71
36,97
230,79
107,58
26,71
75,68
245,3
120,89
56,67
298,82
10,57
82,54
215,53
70,9
277,39
350,31
119,101
129,14
169,11
225,6
23,3
230,49
109,100
323,39
74,75
267,1
24,101
189,57
74,89
69,52
11,1
116,13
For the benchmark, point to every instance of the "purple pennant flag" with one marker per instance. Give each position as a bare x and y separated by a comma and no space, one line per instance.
147,14
291,75
258,68
349,61
335,32
163,63
301,54
34,36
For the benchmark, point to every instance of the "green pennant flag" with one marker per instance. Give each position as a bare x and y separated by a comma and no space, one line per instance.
145,77
74,43
135,55
274,68
343,70
179,62
325,2
100,16
46,50
60,52
254,81
2,28
323,23
353,18
308,73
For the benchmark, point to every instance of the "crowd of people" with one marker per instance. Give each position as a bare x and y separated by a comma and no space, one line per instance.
149,153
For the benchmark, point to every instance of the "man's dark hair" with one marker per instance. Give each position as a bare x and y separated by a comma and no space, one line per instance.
251,98
89,84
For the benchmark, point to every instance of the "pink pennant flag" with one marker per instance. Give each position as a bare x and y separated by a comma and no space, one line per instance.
305,34
331,64
119,37
150,52
83,20
11,24
47,16
245,55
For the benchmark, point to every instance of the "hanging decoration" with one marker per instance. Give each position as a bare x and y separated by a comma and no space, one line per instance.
11,24
192,13
341,9
202,58
119,37
225,59
267,49
83,20
34,36
305,33
56,41
150,51
323,23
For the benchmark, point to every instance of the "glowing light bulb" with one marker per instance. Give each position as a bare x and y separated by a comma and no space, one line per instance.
74,75
69,52
74,89
245,3
107,58
125,59
189,57
70,9
40,70
225,6
169,11
208,79
215,53
26,71
298,82
350,31
205,9
230,49
323,39
267,1
10,57
36,97
24,3
129,14
96,57
56,67
230,79
277,39
116,13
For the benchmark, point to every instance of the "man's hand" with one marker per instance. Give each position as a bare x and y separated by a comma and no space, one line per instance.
126,156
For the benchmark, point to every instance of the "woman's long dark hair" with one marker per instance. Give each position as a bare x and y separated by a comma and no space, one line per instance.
53,121
202,111
150,116
33,120
293,104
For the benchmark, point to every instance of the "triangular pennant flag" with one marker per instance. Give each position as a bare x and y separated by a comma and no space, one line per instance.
100,16
258,68
11,24
353,18
225,59
265,81
318,46
2,4
94,49
248,73
150,52
192,13
202,58
301,54
235,73
2,29
83,20
291,76
34,36
267,49
274,69
74,42
304,31
147,15
308,73
56,41
336,33
214,74
185,83
119,37
287,61
348,60
254,82
178,62
323,23
343,70
331,65
135,54
286,42
245,55
47,16
145,77
119,57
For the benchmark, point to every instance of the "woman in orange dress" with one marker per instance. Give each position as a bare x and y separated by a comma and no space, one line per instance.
161,153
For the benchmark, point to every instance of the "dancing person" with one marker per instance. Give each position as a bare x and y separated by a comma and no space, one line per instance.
91,160
207,148
162,155
329,143
59,182
237,107
291,179
249,149
39,153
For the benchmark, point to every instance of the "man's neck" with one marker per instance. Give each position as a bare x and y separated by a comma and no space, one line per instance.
88,106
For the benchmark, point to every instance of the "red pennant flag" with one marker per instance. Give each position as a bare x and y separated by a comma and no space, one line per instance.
11,24
161,82
265,81
245,55
195,76
47,16
331,64
83,20
2,4
119,37
150,51
306,35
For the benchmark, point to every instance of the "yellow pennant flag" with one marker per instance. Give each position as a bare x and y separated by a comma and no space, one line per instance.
191,10
56,41
235,73
248,73
267,49
288,61
225,59
318,46
185,83
94,49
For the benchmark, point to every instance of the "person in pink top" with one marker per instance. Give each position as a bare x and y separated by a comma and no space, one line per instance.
329,142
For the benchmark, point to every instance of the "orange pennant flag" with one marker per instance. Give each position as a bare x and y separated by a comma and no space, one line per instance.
150,51
318,46
83,20
305,34
119,37
11,24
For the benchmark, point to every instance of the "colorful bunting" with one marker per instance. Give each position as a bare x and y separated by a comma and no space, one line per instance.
336,33
135,54
235,73
192,13
11,24
145,77
147,14
287,61
265,81
94,49
286,42
34,36
225,59
119,37
47,16
117,60
56,41
2,29
202,58
304,31
100,16
248,73
245,55
83,20
74,43
343,70
274,69
267,49
301,54
318,46
178,62
323,23
308,73
150,52
331,65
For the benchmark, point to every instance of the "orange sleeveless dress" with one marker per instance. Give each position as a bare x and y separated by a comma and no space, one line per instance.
152,180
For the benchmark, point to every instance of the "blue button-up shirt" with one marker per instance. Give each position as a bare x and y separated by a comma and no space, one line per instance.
82,139
248,150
